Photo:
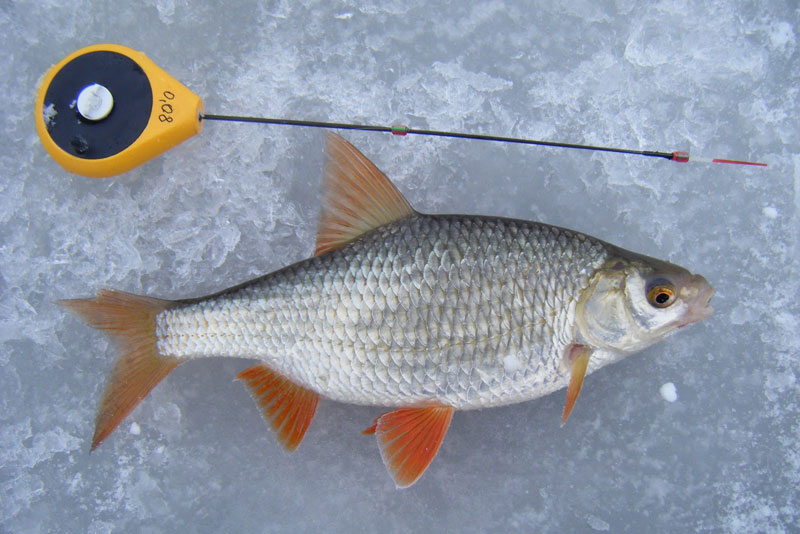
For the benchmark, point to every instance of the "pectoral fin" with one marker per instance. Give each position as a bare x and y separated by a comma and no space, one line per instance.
578,358
409,439
287,407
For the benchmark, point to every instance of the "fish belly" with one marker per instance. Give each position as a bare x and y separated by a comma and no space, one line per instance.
465,311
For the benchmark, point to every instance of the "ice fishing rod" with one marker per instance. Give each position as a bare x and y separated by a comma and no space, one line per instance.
106,109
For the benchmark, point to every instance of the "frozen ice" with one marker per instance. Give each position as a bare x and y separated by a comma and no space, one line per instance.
770,212
668,392
718,78
598,524
49,113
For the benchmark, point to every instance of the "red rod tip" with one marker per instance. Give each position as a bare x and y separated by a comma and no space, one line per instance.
736,162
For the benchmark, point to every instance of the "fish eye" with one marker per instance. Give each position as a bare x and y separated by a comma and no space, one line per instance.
661,293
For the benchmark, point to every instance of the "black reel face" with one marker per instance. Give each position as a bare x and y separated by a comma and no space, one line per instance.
98,80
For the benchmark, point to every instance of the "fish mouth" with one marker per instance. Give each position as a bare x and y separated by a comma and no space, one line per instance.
699,307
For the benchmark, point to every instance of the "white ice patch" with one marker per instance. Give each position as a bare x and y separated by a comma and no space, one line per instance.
668,392
135,429
457,75
743,314
781,36
49,112
166,10
770,212
598,524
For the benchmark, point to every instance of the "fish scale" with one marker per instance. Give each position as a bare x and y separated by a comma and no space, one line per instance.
423,309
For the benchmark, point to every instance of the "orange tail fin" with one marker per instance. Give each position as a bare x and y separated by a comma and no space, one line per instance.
131,321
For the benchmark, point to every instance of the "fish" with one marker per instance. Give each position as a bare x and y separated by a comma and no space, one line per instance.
420,314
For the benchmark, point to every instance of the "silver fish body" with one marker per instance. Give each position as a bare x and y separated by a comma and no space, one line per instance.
467,311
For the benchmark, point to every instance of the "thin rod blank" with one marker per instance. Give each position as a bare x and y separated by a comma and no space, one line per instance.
402,130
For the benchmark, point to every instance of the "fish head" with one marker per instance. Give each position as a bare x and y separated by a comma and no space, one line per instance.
633,301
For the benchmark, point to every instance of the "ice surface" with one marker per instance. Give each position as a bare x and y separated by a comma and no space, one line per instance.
719,78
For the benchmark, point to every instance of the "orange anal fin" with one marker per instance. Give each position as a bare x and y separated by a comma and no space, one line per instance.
371,430
357,197
409,439
131,321
578,357
287,407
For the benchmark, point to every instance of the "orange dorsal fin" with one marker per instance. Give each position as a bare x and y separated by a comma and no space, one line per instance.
357,197
409,439
578,356
287,407
131,321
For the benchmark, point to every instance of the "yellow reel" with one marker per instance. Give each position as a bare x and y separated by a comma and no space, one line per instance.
106,109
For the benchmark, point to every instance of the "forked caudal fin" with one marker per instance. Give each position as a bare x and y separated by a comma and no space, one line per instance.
131,321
